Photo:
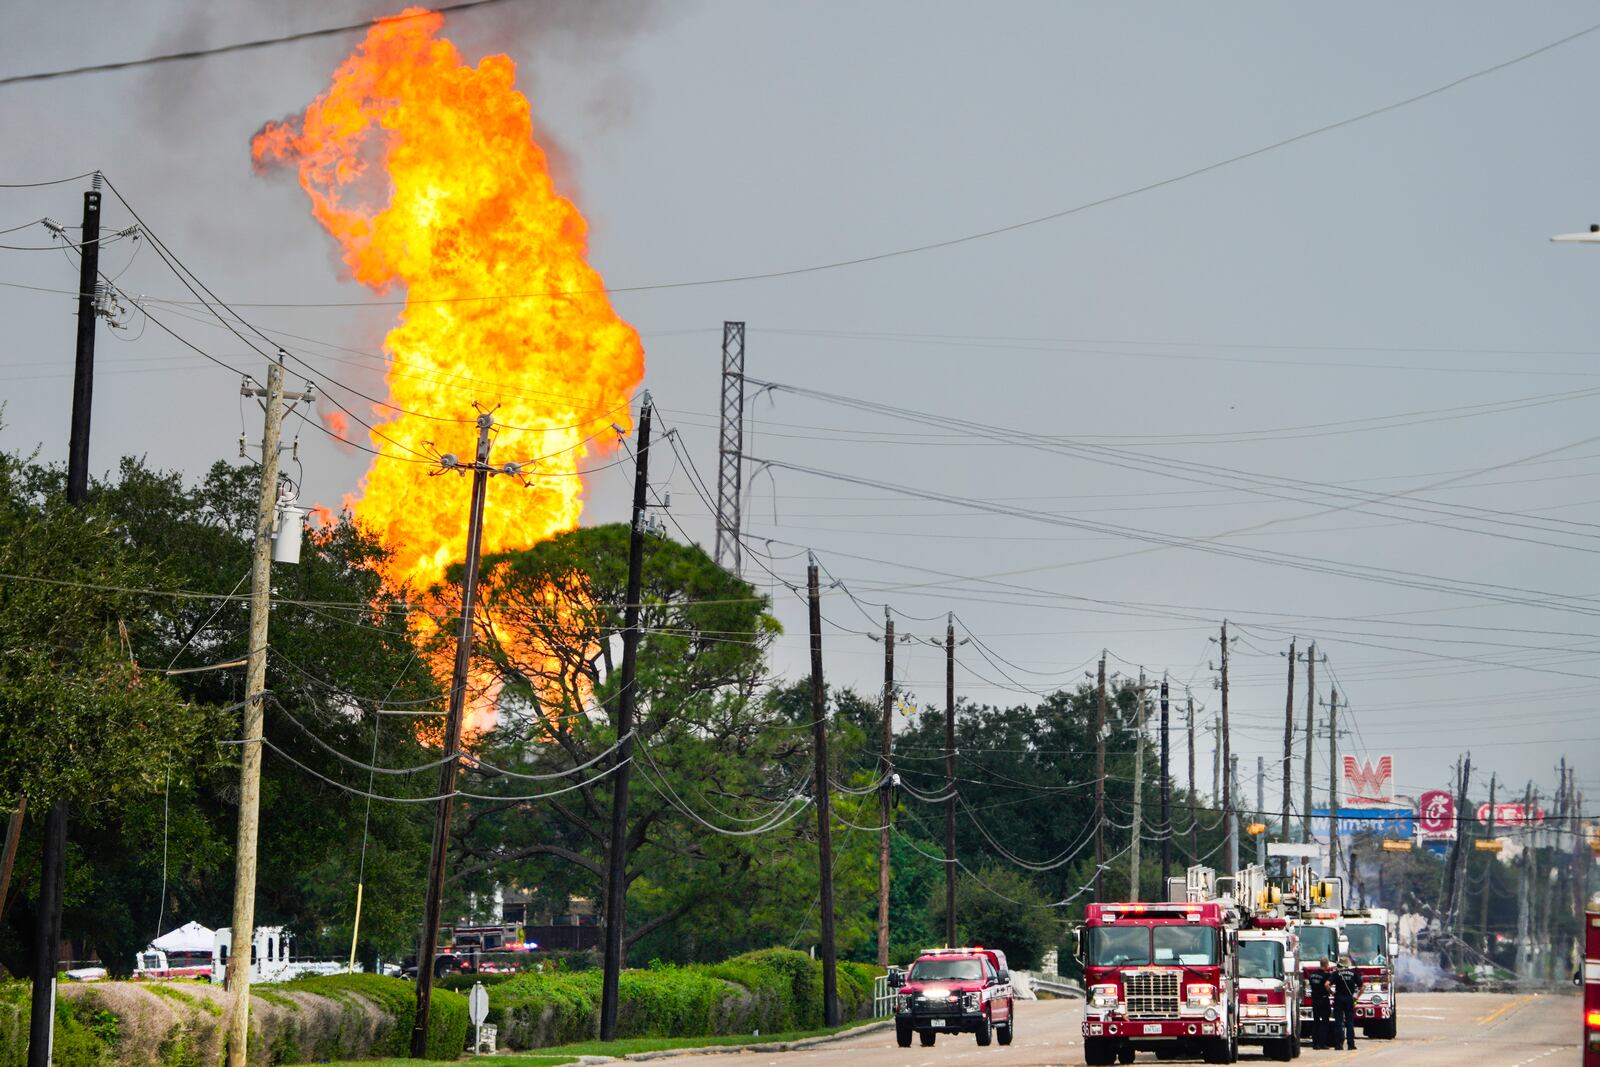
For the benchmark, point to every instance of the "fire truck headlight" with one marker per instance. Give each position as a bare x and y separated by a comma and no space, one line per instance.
969,1001
1211,1014
902,1002
1103,997
1592,1020
1255,1011
1202,995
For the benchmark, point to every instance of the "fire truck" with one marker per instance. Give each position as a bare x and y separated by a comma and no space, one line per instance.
1372,937
955,990
1269,985
1164,977
1591,989
1315,916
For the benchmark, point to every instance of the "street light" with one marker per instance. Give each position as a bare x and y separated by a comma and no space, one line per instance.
1592,237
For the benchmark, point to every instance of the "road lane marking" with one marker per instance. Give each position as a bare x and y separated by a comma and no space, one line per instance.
1542,1055
1502,1009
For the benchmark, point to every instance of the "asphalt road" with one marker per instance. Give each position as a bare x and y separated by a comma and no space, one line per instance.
1436,1030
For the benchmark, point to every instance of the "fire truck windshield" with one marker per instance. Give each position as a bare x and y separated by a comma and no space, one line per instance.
1119,946
1318,943
946,971
1260,959
1366,944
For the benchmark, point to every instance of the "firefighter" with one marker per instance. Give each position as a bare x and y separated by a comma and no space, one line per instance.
1318,983
1346,984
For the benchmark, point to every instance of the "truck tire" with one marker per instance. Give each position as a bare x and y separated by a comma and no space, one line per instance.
1008,1030
1099,1051
902,1033
1126,1054
1294,1046
926,1037
1282,1049
985,1031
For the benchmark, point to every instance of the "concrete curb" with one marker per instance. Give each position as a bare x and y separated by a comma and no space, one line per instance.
766,1046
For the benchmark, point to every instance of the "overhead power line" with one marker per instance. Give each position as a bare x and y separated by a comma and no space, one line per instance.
237,46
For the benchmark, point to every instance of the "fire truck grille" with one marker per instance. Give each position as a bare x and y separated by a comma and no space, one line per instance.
1152,994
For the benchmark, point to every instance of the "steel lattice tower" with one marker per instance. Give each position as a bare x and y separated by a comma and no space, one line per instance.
730,453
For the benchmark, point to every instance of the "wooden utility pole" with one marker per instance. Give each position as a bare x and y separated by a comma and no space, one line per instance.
622,761
53,856
886,790
1166,789
1137,830
1100,778
819,734
950,779
1525,868
1288,752
1311,730
1488,870
1333,782
1194,825
1453,868
8,858
433,907
242,932
1261,809
1227,764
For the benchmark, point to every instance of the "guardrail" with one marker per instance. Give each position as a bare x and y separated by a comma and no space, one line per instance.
882,997
1052,985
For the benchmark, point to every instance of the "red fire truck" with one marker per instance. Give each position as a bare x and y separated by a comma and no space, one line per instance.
1163,977
955,990
1373,939
1591,990
1269,987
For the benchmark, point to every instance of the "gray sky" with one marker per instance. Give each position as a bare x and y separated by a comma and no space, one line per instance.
1398,265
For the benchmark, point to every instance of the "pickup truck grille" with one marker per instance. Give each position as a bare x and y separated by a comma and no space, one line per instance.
1151,994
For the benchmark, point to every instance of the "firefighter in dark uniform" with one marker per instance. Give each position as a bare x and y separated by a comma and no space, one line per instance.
1346,987
1318,984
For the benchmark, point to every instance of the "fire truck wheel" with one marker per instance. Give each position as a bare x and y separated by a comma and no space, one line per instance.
1007,1031
902,1033
1126,1054
985,1030
1279,1050
1294,1047
1218,1050
1099,1052
926,1037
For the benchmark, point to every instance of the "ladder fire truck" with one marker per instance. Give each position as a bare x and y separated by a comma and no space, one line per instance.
1164,977
1372,937
1312,904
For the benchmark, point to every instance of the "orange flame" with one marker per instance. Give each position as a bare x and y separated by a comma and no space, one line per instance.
426,171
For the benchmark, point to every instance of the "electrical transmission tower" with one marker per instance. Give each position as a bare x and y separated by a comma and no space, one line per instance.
730,453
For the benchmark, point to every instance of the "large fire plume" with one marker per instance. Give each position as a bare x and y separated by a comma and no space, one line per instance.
426,170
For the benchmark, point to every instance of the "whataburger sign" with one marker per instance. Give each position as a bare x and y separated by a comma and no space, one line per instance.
1368,783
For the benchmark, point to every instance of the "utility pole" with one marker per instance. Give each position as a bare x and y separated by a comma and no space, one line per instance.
950,776
621,775
1216,762
1333,781
1488,870
1311,729
1227,762
242,931
1233,816
1525,863
1138,794
1452,883
1194,826
886,791
1100,778
819,733
433,907
1288,752
53,857
1261,806
1166,789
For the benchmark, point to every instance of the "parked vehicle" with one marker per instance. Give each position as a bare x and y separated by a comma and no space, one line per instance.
1372,936
1269,987
955,990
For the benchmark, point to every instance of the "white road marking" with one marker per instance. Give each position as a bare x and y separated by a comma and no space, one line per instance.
1540,1056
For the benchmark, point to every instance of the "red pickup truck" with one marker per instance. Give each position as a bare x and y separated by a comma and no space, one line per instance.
955,990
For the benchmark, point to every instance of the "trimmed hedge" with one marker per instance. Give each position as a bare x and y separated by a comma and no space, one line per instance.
773,990
179,1024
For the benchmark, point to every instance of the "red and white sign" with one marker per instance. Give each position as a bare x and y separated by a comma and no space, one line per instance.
1436,815
1366,783
1511,815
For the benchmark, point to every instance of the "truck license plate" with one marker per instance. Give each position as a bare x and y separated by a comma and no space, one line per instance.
936,1022
1152,1028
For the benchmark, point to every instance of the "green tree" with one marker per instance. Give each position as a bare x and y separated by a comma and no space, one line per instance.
999,907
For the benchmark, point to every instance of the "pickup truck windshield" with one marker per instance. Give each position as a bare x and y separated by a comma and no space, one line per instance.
1189,945
1366,944
1116,946
1260,959
946,971
1319,943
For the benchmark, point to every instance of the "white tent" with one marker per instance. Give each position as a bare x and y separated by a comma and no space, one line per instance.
190,937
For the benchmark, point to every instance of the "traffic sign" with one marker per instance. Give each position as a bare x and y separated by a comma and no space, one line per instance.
478,1004
1491,845
1397,846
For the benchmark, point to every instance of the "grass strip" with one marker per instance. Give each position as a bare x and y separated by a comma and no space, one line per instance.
658,1044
